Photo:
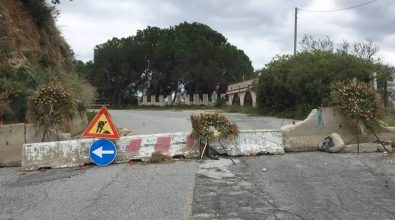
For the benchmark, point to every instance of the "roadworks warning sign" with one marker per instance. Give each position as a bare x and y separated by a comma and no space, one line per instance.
102,126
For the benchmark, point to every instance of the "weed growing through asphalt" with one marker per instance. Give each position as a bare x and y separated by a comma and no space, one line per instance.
159,157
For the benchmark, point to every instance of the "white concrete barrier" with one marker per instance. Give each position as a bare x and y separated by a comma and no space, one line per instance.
251,142
76,152
307,134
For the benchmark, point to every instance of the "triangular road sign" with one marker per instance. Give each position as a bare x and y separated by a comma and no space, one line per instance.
101,126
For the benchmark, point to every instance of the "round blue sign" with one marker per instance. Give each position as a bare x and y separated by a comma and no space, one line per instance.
102,152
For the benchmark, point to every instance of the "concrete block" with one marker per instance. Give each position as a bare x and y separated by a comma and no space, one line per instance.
214,97
267,141
75,125
35,134
55,154
142,146
196,99
161,101
11,140
75,152
205,99
387,146
307,134
145,98
363,148
14,136
187,99
333,143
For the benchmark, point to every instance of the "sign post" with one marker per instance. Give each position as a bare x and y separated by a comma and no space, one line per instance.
102,152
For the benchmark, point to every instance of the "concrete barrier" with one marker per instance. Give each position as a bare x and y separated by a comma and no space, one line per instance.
76,152
266,141
13,136
306,135
142,146
11,140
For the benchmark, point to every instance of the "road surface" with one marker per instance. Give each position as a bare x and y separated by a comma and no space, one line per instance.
162,121
114,192
312,185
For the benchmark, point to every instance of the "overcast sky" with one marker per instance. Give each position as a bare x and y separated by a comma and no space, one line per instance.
262,28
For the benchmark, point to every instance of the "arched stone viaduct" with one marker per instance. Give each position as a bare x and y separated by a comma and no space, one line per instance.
242,93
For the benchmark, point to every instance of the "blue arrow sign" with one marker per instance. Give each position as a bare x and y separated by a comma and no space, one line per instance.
102,152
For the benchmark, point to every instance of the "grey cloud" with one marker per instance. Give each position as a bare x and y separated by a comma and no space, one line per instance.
265,23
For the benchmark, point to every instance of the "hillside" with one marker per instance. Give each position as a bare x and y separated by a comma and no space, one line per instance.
33,54
29,36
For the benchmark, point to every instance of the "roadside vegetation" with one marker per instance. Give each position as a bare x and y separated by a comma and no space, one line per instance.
46,62
296,84
389,119
159,157
185,58
208,127
359,104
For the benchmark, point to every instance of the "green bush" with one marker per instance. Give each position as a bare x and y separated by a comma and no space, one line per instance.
389,119
4,102
220,102
15,87
40,11
301,82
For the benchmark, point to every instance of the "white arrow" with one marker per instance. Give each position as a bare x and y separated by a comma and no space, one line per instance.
99,152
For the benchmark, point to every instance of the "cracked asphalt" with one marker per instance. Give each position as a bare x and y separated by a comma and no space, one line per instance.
311,185
152,191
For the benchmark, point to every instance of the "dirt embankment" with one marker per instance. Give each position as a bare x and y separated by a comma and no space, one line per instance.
28,36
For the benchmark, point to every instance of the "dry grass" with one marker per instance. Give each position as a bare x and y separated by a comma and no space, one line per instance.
389,119
159,157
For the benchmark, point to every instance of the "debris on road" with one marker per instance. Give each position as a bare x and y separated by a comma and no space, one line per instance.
216,169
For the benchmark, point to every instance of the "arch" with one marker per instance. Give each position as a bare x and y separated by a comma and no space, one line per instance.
236,99
248,100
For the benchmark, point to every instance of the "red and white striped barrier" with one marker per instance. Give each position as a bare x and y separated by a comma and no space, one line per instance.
172,144
76,152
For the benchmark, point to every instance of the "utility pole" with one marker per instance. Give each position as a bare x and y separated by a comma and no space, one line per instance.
296,29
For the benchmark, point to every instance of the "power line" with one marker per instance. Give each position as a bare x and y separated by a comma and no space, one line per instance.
342,9
328,11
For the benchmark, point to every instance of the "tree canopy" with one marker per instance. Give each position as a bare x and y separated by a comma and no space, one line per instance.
302,82
296,84
188,57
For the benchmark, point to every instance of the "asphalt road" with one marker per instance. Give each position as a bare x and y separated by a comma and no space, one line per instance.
161,121
114,192
313,185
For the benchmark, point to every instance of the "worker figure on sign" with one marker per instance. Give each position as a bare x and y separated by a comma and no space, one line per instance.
100,126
